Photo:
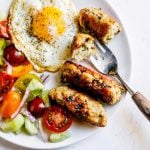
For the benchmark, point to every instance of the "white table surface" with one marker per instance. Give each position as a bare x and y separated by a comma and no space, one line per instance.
128,129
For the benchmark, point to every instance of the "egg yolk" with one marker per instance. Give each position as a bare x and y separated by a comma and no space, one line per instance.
48,23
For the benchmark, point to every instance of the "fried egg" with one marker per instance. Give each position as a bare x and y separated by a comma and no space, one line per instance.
43,30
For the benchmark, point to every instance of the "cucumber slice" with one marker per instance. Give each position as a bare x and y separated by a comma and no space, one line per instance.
18,132
45,97
23,81
13,125
2,46
30,127
58,137
35,85
33,94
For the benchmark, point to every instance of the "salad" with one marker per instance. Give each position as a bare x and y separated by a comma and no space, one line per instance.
25,106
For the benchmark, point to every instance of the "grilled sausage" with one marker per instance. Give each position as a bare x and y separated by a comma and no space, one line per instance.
98,23
83,46
79,104
96,83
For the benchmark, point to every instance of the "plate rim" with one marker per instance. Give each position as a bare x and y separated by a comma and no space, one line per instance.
109,5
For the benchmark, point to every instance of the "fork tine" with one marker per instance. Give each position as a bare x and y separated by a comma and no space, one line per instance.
104,60
102,48
99,46
97,62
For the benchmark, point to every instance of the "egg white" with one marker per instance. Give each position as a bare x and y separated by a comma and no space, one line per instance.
45,56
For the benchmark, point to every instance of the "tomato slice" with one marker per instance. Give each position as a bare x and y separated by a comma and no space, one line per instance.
13,56
10,104
4,32
6,83
36,107
55,119
22,69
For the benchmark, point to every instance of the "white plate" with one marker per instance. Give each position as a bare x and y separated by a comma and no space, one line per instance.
80,131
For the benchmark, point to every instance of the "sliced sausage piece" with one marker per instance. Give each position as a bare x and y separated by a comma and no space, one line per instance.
99,24
83,46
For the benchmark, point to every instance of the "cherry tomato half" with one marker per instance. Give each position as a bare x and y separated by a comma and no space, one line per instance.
4,32
36,107
10,104
6,83
13,56
22,69
55,119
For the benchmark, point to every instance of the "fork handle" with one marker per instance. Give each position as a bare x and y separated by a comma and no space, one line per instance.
141,101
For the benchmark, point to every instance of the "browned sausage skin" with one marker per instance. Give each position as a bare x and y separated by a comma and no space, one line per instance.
95,83
98,23
81,105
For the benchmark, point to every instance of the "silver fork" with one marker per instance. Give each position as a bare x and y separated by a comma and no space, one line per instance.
109,66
